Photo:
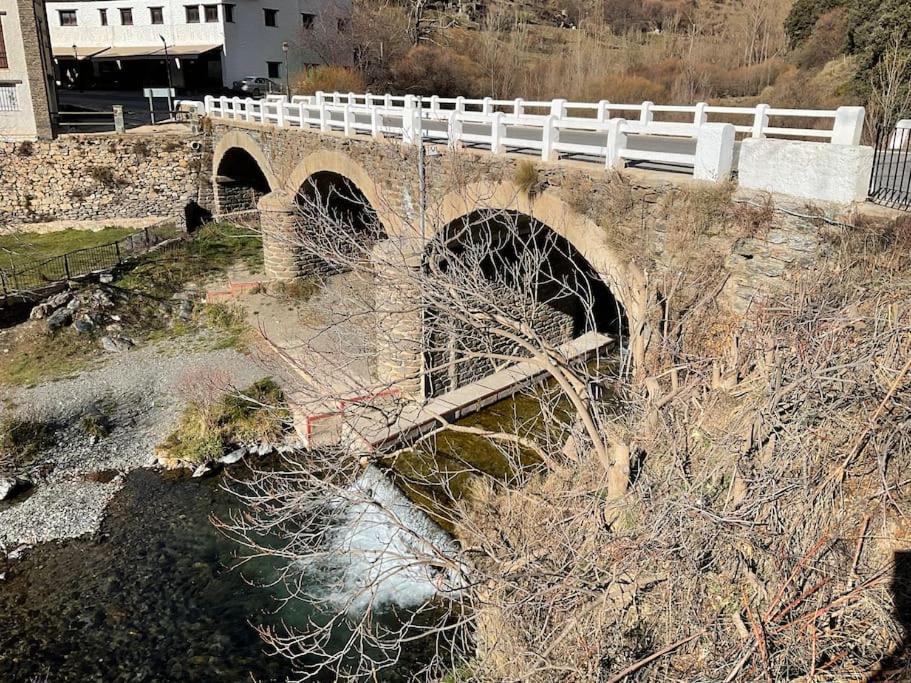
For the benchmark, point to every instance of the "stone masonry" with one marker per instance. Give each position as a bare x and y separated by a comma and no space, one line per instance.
639,230
93,177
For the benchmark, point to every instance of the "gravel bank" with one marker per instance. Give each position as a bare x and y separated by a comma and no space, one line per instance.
142,392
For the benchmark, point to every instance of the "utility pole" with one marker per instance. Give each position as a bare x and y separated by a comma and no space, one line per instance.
167,66
285,57
422,172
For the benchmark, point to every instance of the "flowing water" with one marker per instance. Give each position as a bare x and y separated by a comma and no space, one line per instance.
149,598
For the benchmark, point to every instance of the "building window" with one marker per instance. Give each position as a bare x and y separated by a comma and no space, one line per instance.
228,11
307,20
273,68
4,63
67,17
8,99
192,14
342,25
103,17
211,13
156,14
270,15
126,16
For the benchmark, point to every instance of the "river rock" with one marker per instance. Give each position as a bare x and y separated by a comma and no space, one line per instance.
204,470
115,344
10,486
59,319
84,324
232,457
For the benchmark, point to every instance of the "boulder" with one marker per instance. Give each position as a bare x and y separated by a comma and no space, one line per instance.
59,299
59,319
114,344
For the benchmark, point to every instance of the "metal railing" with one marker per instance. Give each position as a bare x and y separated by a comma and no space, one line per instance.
890,183
81,262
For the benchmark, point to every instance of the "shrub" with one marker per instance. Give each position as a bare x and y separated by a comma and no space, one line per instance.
141,149
627,88
95,425
104,175
23,437
436,71
328,79
803,17
826,42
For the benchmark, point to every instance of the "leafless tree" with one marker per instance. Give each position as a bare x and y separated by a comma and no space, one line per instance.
712,520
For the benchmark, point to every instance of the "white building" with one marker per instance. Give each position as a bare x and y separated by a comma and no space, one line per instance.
27,96
122,44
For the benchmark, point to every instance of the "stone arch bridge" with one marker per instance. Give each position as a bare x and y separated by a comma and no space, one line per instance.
636,229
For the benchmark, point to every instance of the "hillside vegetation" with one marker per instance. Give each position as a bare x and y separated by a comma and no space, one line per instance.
808,53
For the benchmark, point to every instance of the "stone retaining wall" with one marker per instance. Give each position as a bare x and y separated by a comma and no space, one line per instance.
98,177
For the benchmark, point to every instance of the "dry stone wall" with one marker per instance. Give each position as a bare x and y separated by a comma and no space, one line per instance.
98,177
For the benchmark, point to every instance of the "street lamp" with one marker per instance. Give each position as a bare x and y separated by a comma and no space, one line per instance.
285,56
167,66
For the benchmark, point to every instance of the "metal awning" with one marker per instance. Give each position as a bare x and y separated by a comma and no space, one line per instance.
155,52
80,54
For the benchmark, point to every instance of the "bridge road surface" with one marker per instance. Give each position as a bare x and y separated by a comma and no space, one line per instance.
635,142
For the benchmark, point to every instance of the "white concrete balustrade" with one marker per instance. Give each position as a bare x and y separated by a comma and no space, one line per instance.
700,137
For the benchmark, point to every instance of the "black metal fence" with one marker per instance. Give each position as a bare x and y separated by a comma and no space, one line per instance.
74,264
890,184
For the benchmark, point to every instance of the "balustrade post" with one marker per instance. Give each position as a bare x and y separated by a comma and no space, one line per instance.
347,114
323,117
248,109
701,116
714,152
497,133
849,125
411,122
352,99
319,97
460,104
616,144
558,108
518,107
434,103
603,110
387,101
302,114
376,123
455,131
487,105
223,106
548,138
647,114
209,104
280,114
760,120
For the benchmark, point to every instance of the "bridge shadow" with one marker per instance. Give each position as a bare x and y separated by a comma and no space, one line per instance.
897,666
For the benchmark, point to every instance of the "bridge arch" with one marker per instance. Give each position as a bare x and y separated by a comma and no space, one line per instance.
329,162
241,173
626,280
617,285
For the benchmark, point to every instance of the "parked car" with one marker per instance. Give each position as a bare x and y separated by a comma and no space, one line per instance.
256,86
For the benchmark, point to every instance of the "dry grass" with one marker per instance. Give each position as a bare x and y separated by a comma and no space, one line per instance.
210,426
526,177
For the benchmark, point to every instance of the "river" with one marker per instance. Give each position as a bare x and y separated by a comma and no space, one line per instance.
147,598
